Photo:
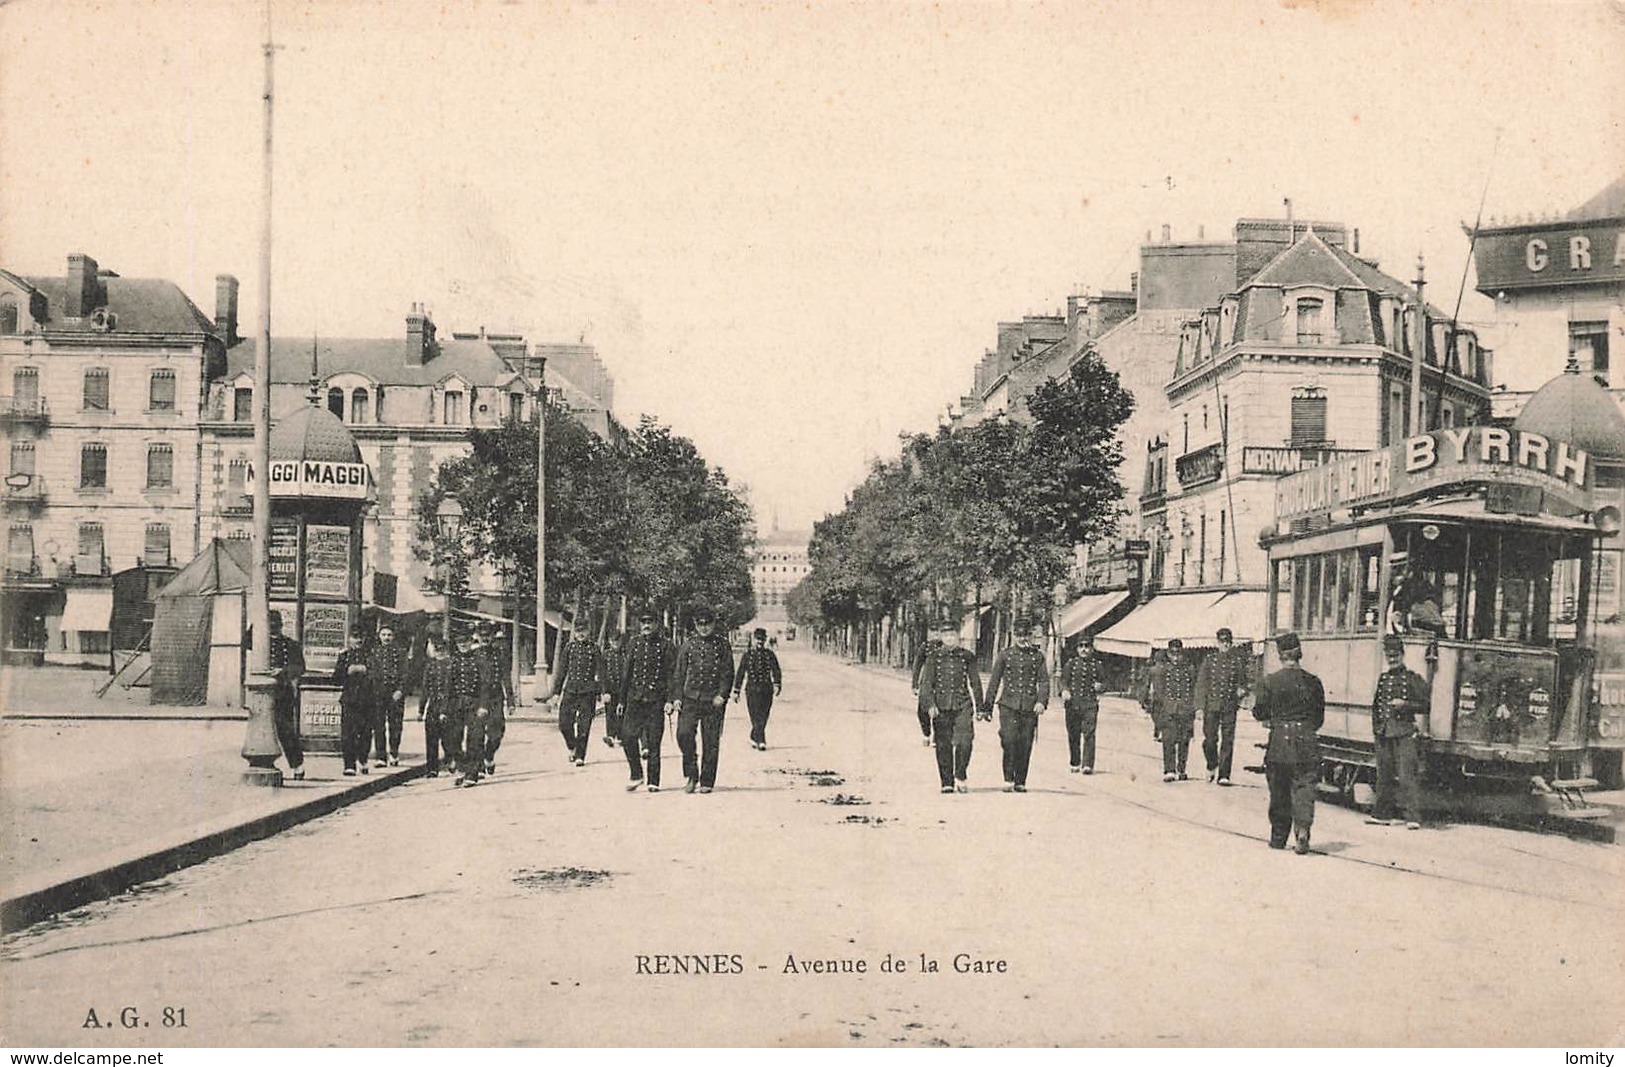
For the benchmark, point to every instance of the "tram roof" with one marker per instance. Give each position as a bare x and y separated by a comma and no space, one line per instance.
1471,509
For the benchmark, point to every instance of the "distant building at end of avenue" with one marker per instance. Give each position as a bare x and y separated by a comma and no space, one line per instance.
780,561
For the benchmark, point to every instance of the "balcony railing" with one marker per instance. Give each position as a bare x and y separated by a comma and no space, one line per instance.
24,409
26,490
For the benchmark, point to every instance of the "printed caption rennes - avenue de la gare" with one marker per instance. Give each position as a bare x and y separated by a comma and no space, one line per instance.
734,964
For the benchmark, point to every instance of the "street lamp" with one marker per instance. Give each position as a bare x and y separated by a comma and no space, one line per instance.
448,519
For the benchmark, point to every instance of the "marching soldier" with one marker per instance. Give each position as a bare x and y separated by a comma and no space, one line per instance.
1292,703
1151,690
952,688
645,680
432,706
1081,686
699,686
387,665
614,665
473,691
287,662
578,691
923,703
1401,696
1019,687
762,679
1176,711
500,697
355,704
1219,685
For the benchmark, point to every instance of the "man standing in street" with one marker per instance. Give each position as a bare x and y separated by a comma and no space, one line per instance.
922,702
500,695
1401,696
1176,711
473,691
386,668
762,680
1081,686
952,689
355,704
699,685
644,685
1292,703
578,691
1151,690
1019,687
432,705
614,667
1219,685
287,663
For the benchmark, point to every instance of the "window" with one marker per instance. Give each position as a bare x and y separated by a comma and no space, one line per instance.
20,548
1588,343
360,406
242,405
161,391
1187,445
1204,416
1309,321
156,553
236,480
22,457
454,408
93,467
516,406
335,402
8,313
1447,416
1396,414
25,383
1332,592
96,390
1308,418
1201,552
160,467
92,554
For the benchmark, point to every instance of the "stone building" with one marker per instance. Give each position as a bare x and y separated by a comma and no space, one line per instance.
779,562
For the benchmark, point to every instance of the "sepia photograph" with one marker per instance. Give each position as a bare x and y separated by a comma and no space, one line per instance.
872,524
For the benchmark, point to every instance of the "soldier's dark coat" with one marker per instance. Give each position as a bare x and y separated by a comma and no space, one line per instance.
1398,682
758,669
1020,680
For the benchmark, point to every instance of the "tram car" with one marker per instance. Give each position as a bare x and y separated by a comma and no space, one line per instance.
1478,546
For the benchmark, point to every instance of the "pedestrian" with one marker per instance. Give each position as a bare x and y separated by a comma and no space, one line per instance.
1401,696
1292,703
1219,686
355,704
475,694
1151,690
432,705
645,701
614,665
499,696
578,690
287,662
699,686
951,685
387,665
762,679
1176,711
1081,686
1019,687
922,699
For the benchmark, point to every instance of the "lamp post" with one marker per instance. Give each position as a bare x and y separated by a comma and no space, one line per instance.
541,529
448,519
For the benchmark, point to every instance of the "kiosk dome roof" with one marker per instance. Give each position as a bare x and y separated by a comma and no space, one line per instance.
313,433
1574,407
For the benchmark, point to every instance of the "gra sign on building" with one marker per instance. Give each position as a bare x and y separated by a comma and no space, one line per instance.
316,478
1417,464
1525,257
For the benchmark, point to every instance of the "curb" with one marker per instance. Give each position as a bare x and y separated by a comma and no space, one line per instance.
41,902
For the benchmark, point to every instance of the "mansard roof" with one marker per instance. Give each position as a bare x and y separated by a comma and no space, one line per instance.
1308,261
143,305
381,359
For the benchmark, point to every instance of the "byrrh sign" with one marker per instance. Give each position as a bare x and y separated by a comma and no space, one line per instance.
316,478
1463,454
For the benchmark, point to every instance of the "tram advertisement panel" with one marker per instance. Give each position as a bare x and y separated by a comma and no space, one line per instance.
1505,698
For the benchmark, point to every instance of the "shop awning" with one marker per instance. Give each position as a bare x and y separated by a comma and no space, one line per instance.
1088,610
1192,617
88,610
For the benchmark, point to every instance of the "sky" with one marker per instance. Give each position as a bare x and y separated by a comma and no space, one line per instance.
789,229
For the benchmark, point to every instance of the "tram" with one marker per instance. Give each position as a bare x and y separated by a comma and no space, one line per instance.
1477,545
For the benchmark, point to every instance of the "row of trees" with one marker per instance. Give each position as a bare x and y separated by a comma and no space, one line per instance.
641,520
988,514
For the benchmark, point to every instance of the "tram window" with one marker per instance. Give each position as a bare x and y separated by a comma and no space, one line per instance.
1284,618
1369,564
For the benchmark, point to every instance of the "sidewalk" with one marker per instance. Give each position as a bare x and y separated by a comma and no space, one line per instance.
100,794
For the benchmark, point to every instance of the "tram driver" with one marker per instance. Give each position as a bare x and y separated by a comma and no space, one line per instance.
1413,605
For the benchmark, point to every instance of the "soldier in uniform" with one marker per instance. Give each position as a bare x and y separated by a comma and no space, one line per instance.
1176,711
699,686
1081,686
432,705
500,696
387,665
1219,685
1292,703
645,680
1401,696
578,690
762,680
287,663
1151,689
355,704
614,664
473,691
923,703
952,688
1019,688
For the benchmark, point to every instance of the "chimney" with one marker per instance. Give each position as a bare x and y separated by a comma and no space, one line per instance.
84,293
1356,240
225,308
1291,229
420,343
1134,282
1167,233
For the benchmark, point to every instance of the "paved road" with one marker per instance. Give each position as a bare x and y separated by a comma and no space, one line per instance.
1125,911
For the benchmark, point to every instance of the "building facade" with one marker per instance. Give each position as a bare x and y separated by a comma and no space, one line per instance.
779,563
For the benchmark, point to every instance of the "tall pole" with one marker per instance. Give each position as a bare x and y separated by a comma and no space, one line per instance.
1419,350
541,527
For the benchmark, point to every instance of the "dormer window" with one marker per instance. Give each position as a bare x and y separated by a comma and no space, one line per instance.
360,406
8,313
335,403
453,408
242,405
1309,316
